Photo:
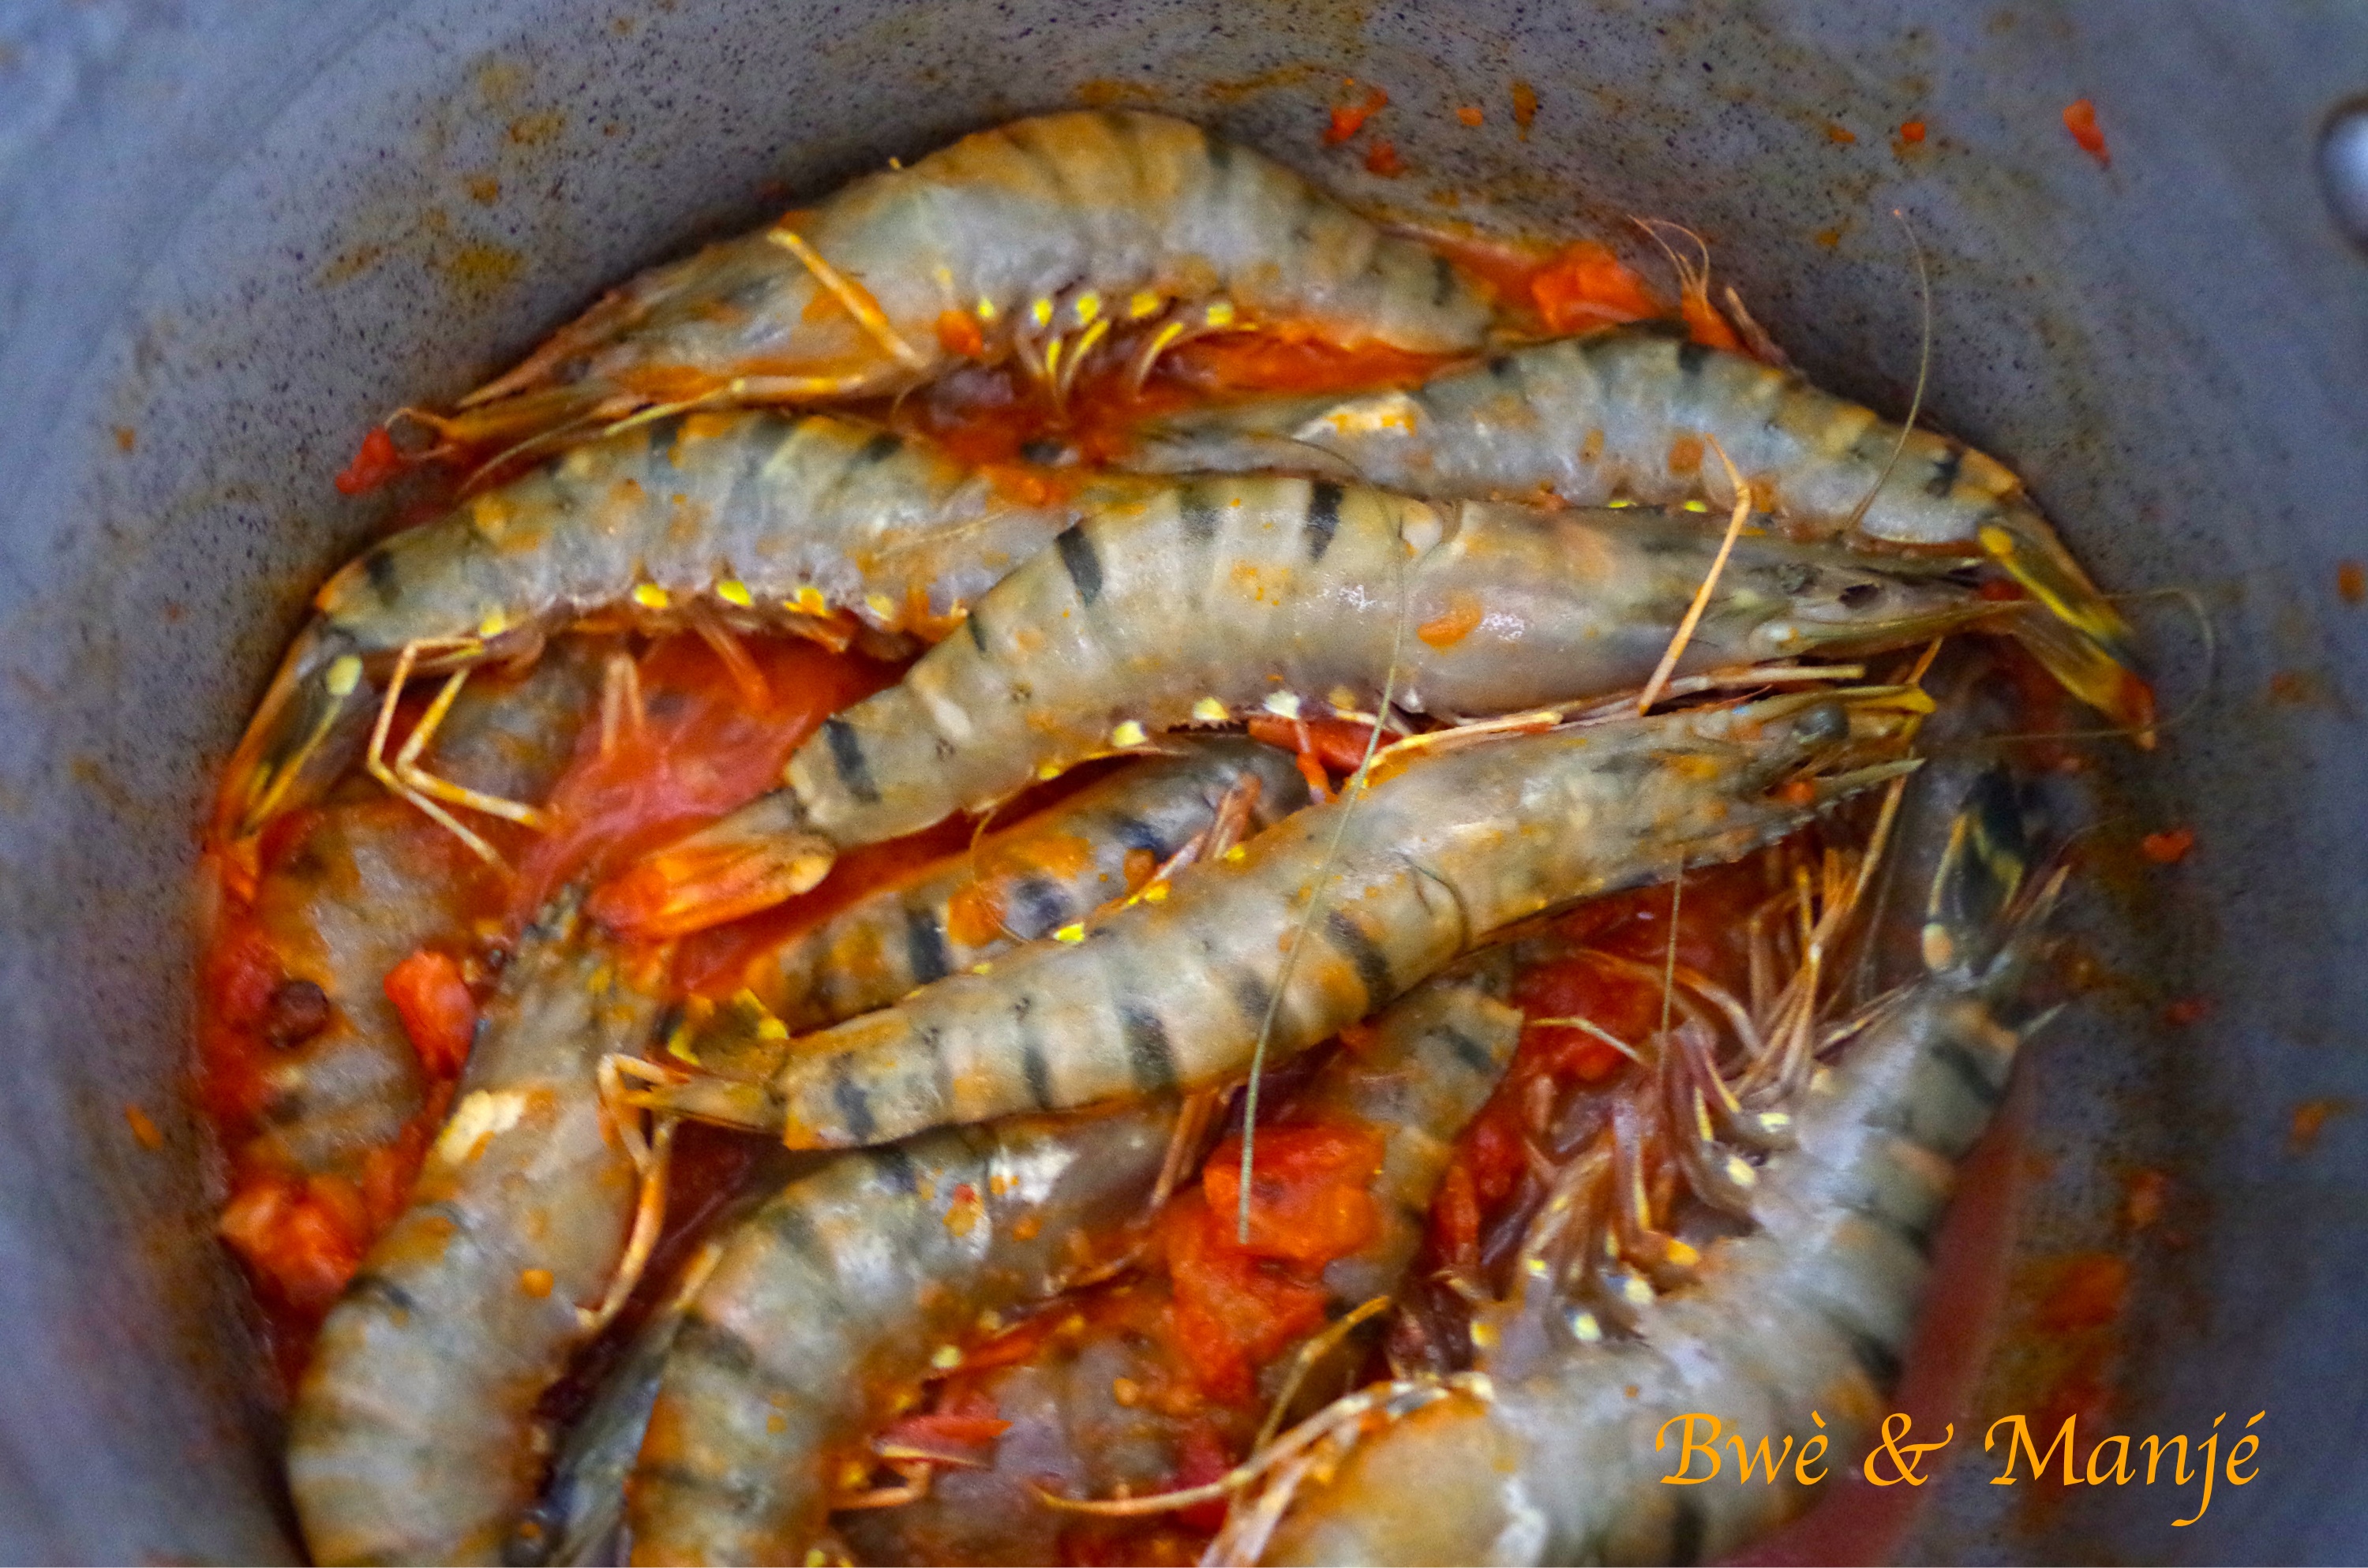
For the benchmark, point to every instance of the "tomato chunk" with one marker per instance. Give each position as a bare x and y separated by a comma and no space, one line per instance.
430,994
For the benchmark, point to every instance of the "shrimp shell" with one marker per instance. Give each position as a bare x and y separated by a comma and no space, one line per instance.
1062,226
844,1290
365,887
1810,1310
1175,994
1227,594
751,520
1016,885
412,1436
1625,415
1430,1063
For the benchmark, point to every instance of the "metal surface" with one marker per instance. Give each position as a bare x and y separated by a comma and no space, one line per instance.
2343,167
236,233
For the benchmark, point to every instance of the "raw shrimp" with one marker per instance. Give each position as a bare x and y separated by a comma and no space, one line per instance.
1625,414
412,1438
1043,238
1553,1457
1227,594
582,1507
1024,883
748,521
1101,1411
832,1303
348,896
1176,993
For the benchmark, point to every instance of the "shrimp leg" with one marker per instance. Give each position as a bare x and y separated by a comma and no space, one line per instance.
411,1437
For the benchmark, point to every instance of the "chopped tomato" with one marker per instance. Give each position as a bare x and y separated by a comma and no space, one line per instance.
1622,1005
304,1239
236,977
1383,159
432,997
2169,848
1287,361
373,465
958,334
1455,1217
1308,1202
1202,1457
1588,286
2080,119
703,748
1911,131
1231,1310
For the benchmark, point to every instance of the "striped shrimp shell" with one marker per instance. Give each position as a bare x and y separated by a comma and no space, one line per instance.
843,1292
366,885
752,520
1808,1311
412,1439
1064,226
1221,594
1175,994
1625,415
1019,884
1434,1058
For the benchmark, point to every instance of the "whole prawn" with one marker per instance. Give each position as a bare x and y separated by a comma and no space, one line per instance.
1045,237
752,520
1225,594
348,896
1178,993
835,1299
1623,414
1550,1454
413,1435
1023,882
1089,1411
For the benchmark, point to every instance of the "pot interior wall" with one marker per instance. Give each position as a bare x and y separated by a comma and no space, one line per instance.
237,234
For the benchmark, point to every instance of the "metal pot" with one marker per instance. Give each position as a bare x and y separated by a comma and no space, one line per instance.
236,233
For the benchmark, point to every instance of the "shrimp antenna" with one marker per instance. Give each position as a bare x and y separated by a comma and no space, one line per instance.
1923,372
1350,796
1693,615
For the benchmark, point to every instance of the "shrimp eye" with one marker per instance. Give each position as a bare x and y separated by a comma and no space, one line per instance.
1860,595
1824,725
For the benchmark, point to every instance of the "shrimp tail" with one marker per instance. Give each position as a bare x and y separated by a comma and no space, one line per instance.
767,855
304,733
2086,663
